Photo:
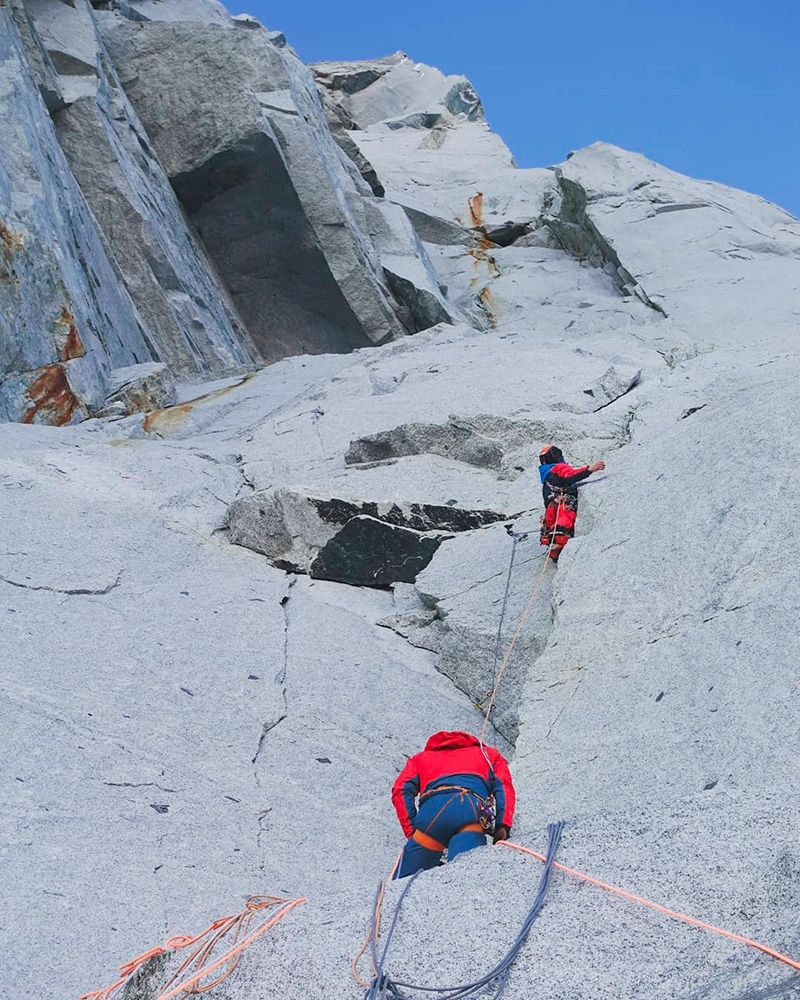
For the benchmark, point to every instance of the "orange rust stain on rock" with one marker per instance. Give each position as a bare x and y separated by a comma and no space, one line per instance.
160,421
476,210
163,421
73,345
51,398
10,244
10,241
489,306
481,255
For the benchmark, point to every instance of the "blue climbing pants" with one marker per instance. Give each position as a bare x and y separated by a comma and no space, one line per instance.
441,816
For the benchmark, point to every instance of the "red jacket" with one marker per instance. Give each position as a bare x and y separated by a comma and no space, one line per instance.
453,756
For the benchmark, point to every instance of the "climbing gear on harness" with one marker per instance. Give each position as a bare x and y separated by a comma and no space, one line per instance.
558,521
238,923
487,807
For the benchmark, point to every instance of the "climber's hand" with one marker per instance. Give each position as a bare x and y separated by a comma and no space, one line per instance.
597,467
500,833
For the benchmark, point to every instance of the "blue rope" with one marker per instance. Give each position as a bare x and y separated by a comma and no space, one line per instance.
515,538
384,988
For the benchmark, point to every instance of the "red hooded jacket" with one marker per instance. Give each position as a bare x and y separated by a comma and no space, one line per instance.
453,756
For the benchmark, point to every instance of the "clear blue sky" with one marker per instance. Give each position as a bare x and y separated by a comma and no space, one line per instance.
708,87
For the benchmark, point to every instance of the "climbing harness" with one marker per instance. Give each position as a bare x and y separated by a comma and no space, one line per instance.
553,533
383,987
237,925
425,840
520,625
657,906
486,806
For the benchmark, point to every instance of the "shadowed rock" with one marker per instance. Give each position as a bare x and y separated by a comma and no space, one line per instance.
253,162
246,210
313,534
369,552
566,217
189,318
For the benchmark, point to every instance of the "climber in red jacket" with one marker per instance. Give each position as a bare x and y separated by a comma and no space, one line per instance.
560,495
465,792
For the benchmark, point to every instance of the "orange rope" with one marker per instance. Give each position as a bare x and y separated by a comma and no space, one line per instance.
657,906
518,631
238,923
376,926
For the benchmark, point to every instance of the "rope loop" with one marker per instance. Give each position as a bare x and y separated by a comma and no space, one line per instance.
205,943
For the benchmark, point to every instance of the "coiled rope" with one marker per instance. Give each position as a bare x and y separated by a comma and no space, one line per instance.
237,924
383,987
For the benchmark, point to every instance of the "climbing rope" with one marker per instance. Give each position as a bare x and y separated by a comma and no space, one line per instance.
498,640
656,906
376,925
383,987
520,626
238,925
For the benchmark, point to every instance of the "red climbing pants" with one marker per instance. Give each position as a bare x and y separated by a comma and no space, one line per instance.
558,526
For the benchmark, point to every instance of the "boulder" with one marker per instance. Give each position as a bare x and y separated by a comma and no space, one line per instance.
139,389
315,534
245,143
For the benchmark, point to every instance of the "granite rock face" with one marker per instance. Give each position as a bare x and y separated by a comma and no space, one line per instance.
65,319
286,249
102,271
187,721
249,153
164,269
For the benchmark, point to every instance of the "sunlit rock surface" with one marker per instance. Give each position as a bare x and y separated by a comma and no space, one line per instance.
188,720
